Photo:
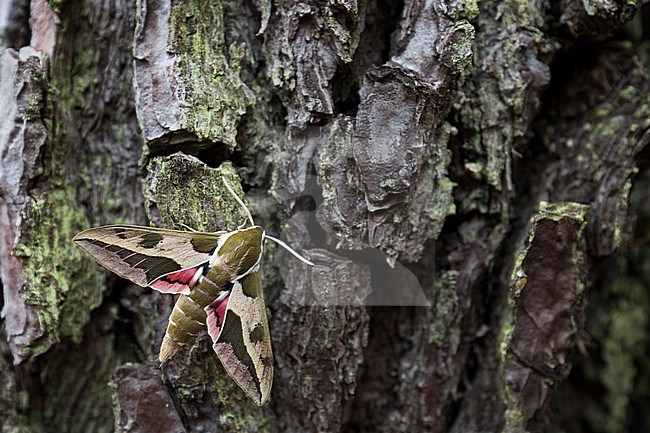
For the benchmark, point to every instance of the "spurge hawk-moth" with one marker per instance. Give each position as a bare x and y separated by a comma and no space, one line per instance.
218,280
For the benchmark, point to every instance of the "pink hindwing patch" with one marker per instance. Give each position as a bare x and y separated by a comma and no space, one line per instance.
216,314
178,282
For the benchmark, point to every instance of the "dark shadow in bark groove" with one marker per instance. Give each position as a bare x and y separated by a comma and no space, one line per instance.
126,342
345,92
380,22
211,155
377,381
18,33
171,391
566,67
375,43
214,156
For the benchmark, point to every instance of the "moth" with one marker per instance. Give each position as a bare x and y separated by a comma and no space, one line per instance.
217,278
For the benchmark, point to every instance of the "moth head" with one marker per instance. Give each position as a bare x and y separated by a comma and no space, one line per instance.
241,250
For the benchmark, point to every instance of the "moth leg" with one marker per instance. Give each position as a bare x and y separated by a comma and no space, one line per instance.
218,232
189,228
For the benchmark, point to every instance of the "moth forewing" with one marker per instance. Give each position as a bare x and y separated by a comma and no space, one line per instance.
145,254
244,341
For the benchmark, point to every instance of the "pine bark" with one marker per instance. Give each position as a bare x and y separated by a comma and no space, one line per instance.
470,179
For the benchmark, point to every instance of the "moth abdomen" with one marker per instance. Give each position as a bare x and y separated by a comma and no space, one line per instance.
186,321
188,316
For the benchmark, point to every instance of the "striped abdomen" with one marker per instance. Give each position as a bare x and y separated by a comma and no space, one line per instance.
188,316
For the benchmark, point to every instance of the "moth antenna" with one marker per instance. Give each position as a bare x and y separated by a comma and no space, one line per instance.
238,200
288,248
189,228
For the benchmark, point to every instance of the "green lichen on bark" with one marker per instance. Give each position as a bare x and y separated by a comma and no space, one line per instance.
64,286
622,329
214,96
180,189
45,226
514,419
444,319
61,283
347,36
461,59
468,9
67,385
498,109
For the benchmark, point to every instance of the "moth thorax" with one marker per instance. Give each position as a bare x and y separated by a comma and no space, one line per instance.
240,252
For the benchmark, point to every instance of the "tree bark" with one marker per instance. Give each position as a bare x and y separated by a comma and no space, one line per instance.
470,179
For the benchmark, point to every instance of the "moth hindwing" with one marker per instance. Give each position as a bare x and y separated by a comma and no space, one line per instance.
242,339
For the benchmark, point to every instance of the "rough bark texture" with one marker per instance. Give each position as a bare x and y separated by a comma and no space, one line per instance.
470,179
